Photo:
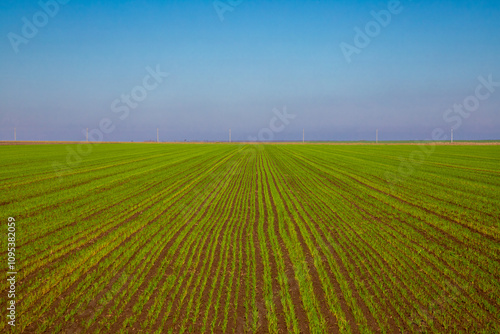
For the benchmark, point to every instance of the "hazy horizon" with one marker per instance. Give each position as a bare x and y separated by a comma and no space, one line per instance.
72,65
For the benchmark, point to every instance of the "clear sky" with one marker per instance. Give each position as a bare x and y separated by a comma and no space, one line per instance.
67,67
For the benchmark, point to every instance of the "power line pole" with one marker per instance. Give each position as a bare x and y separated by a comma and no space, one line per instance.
376,137
452,135
302,136
229,135
15,139
157,136
87,135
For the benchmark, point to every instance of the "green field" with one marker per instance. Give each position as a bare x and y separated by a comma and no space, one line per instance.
160,238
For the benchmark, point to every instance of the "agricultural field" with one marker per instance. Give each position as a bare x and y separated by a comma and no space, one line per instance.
233,238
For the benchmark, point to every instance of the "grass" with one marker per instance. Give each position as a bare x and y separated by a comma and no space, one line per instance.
255,238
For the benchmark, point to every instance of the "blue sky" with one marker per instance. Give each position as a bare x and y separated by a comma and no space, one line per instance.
263,56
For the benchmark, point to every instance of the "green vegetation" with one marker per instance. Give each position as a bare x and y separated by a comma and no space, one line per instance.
254,238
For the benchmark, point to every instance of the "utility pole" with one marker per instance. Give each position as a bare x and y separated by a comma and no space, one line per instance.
376,137
87,135
302,136
229,135
157,136
15,139
452,135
